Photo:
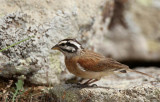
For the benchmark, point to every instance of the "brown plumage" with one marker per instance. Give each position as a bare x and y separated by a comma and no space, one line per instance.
95,62
88,64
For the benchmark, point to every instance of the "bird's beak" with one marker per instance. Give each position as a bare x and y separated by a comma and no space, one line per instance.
56,47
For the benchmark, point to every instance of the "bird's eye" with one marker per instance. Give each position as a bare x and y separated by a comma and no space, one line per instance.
62,44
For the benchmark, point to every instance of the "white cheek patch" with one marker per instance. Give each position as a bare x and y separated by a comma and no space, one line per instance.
70,48
75,43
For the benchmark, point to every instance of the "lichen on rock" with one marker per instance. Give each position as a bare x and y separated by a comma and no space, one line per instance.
34,57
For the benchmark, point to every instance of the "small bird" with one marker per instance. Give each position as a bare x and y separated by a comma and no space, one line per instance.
88,64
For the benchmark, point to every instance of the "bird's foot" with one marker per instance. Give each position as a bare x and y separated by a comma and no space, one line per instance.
80,85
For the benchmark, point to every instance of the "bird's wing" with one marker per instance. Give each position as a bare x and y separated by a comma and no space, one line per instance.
95,62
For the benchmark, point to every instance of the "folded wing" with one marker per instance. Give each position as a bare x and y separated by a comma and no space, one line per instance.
97,63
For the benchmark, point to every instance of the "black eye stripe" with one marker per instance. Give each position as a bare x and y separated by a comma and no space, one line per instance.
72,45
69,44
62,44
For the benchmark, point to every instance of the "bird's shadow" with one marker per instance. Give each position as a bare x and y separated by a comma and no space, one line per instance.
81,86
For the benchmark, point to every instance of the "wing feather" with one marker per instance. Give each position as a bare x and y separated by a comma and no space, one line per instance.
95,62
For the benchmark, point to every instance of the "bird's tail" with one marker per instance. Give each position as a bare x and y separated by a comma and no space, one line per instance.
130,70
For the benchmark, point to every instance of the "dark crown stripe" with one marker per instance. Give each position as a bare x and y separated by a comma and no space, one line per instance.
71,40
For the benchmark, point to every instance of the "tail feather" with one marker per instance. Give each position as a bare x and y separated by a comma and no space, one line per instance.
140,73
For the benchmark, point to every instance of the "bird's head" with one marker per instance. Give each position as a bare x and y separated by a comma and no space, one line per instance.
69,47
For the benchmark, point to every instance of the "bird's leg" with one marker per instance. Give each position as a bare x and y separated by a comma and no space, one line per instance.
86,83
93,81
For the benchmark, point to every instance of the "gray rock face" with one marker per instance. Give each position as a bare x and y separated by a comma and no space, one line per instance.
129,87
48,22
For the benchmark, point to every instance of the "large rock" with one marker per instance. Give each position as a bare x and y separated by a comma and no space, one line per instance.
129,87
48,21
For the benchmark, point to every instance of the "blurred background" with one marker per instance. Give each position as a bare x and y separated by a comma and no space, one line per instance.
129,31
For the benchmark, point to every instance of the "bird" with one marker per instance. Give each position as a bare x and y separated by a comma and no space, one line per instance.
88,64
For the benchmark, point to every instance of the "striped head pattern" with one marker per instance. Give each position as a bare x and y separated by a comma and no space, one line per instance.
68,46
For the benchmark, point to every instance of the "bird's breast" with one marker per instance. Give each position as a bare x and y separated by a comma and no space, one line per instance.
71,65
